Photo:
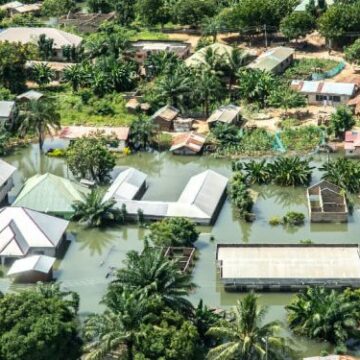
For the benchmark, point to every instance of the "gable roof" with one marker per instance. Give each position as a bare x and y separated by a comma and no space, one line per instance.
324,184
167,113
30,95
38,263
271,58
225,114
6,107
49,193
322,87
6,172
190,140
126,185
11,5
27,35
22,229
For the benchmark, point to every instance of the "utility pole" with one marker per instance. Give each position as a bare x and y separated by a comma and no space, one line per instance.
265,35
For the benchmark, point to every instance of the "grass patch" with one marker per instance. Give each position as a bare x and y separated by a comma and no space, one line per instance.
301,139
108,111
149,35
301,69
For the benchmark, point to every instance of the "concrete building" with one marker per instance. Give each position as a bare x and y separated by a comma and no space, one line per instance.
275,60
165,117
6,179
227,114
26,232
143,48
277,267
7,112
325,93
327,203
51,194
200,201
188,144
32,269
31,35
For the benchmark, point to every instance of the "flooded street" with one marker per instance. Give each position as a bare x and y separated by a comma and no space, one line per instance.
86,267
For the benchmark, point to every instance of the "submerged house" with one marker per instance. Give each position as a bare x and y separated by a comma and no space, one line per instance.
32,269
227,114
352,143
6,179
26,232
323,92
275,60
188,144
164,117
51,194
327,203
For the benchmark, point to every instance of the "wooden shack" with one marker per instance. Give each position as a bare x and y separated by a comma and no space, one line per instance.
184,256
188,144
164,117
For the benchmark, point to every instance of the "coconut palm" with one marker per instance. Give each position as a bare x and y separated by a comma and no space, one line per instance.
290,171
114,329
286,98
74,74
42,74
245,336
162,62
211,27
257,172
122,75
96,212
235,60
142,130
324,314
156,275
40,117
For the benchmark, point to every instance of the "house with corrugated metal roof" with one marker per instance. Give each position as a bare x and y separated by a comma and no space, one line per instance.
31,95
188,144
6,179
165,117
51,194
226,114
7,112
324,92
26,232
275,60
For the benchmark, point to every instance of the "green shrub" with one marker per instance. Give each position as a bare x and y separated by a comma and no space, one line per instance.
59,153
85,96
163,141
102,107
275,220
294,218
306,241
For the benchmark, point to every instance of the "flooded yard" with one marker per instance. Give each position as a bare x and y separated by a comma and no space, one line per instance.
91,256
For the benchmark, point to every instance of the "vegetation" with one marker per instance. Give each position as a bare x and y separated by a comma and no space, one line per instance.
240,195
297,24
39,323
301,139
96,212
245,336
341,121
325,314
89,157
173,232
352,52
344,173
294,218
141,135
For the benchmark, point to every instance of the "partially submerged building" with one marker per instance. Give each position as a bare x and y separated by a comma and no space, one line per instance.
32,269
188,144
278,267
275,60
226,114
164,117
6,179
200,201
352,143
327,203
143,48
26,232
324,92
51,194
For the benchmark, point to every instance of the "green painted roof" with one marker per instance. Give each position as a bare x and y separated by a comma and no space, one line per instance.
49,193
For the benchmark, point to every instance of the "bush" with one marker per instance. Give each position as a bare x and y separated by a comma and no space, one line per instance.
302,139
59,153
352,52
306,241
163,141
275,220
102,107
294,218
85,96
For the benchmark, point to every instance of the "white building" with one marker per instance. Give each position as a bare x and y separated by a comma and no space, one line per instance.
6,179
26,232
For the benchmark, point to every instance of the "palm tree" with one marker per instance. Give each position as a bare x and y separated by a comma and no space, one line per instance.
109,331
142,130
234,61
40,117
162,62
211,27
74,74
257,172
245,337
286,98
42,74
156,275
324,314
100,82
96,212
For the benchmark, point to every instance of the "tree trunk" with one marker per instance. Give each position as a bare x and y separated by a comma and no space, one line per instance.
41,141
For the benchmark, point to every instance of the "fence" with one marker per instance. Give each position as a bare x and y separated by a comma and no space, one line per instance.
328,74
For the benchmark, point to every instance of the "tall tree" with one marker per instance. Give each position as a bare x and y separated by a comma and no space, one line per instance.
142,131
246,337
341,120
45,46
125,11
152,12
41,118
74,74
297,24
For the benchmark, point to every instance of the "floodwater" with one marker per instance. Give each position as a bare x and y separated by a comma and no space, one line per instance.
86,267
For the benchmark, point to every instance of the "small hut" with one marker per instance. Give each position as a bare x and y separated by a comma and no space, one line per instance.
165,117
327,203
188,144
183,125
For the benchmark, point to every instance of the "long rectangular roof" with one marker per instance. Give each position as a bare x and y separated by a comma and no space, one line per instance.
6,172
289,262
76,132
225,114
22,229
27,35
271,58
322,87
38,263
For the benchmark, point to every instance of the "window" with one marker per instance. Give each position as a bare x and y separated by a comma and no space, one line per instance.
334,98
321,97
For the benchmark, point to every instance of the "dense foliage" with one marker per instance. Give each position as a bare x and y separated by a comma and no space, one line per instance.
240,195
352,52
341,120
